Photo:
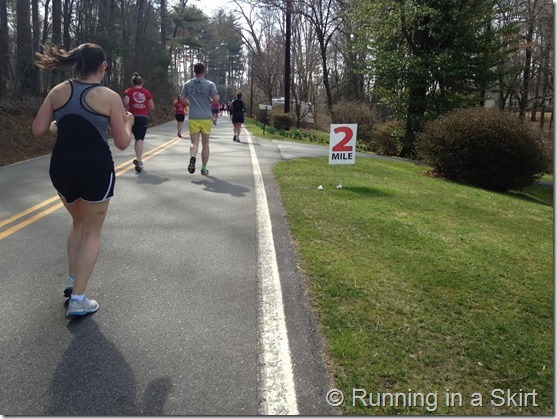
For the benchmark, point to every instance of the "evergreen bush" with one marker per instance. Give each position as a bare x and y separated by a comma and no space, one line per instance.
387,138
280,120
491,149
349,112
263,116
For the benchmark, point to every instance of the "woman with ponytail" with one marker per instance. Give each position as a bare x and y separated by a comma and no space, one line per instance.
79,111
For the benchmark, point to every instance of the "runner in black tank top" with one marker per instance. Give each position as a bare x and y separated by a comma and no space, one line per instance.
81,165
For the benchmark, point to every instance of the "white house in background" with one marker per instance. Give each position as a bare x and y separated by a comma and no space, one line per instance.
306,111
512,103
490,102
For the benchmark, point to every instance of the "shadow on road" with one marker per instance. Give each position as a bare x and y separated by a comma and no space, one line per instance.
145,177
213,184
93,378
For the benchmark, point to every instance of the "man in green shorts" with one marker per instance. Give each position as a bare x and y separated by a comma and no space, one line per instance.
199,93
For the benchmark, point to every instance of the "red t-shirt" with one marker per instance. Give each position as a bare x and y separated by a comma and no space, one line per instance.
179,108
139,96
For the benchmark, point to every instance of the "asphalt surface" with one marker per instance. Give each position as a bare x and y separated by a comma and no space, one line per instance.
177,284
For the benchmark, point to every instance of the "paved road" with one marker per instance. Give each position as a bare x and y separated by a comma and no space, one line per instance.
181,286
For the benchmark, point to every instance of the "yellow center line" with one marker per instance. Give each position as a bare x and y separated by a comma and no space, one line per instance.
125,168
27,211
31,220
147,156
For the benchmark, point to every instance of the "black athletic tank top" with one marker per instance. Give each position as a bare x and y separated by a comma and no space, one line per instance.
81,145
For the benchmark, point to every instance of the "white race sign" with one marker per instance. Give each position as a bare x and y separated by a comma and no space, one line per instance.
342,143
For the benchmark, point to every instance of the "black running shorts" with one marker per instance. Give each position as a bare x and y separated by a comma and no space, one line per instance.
180,117
139,128
238,118
91,188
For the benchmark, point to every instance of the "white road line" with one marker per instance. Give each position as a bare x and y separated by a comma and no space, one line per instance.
276,381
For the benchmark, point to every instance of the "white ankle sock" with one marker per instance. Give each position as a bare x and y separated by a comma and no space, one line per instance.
78,297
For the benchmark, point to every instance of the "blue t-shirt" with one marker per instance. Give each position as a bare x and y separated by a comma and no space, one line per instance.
199,92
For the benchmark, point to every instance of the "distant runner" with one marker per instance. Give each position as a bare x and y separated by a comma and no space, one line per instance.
200,93
180,111
237,111
139,102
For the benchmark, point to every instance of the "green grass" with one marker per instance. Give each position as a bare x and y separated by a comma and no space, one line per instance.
317,137
548,177
423,285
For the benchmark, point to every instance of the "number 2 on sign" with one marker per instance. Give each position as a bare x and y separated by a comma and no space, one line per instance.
348,133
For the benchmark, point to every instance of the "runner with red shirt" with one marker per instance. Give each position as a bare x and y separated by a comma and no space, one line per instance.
215,108
180,111
139,102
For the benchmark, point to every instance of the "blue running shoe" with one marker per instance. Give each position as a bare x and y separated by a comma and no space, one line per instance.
81,308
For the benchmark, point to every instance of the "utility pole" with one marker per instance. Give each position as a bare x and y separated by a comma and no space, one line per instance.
251,85
288,16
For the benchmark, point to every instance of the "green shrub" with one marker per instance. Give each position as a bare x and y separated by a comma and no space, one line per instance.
387,138
280,120
360,113
263,116
296,134
491,149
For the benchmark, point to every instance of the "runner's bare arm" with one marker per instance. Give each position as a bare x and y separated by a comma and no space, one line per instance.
121,122
43,119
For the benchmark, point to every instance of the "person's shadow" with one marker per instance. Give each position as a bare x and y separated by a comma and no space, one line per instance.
214,184
146,177
94,379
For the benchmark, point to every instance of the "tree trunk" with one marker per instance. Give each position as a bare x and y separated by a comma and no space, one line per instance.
417,94
287,59
326,82
415,113
45,21
527,60
56,74
4,48
35,74
139,35
125,24
163,23
546,86
24,50
67,22
57,22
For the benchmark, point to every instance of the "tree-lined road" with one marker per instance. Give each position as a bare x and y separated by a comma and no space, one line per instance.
183,322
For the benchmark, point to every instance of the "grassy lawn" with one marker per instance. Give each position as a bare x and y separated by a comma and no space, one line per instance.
547,177
424,285
319,137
